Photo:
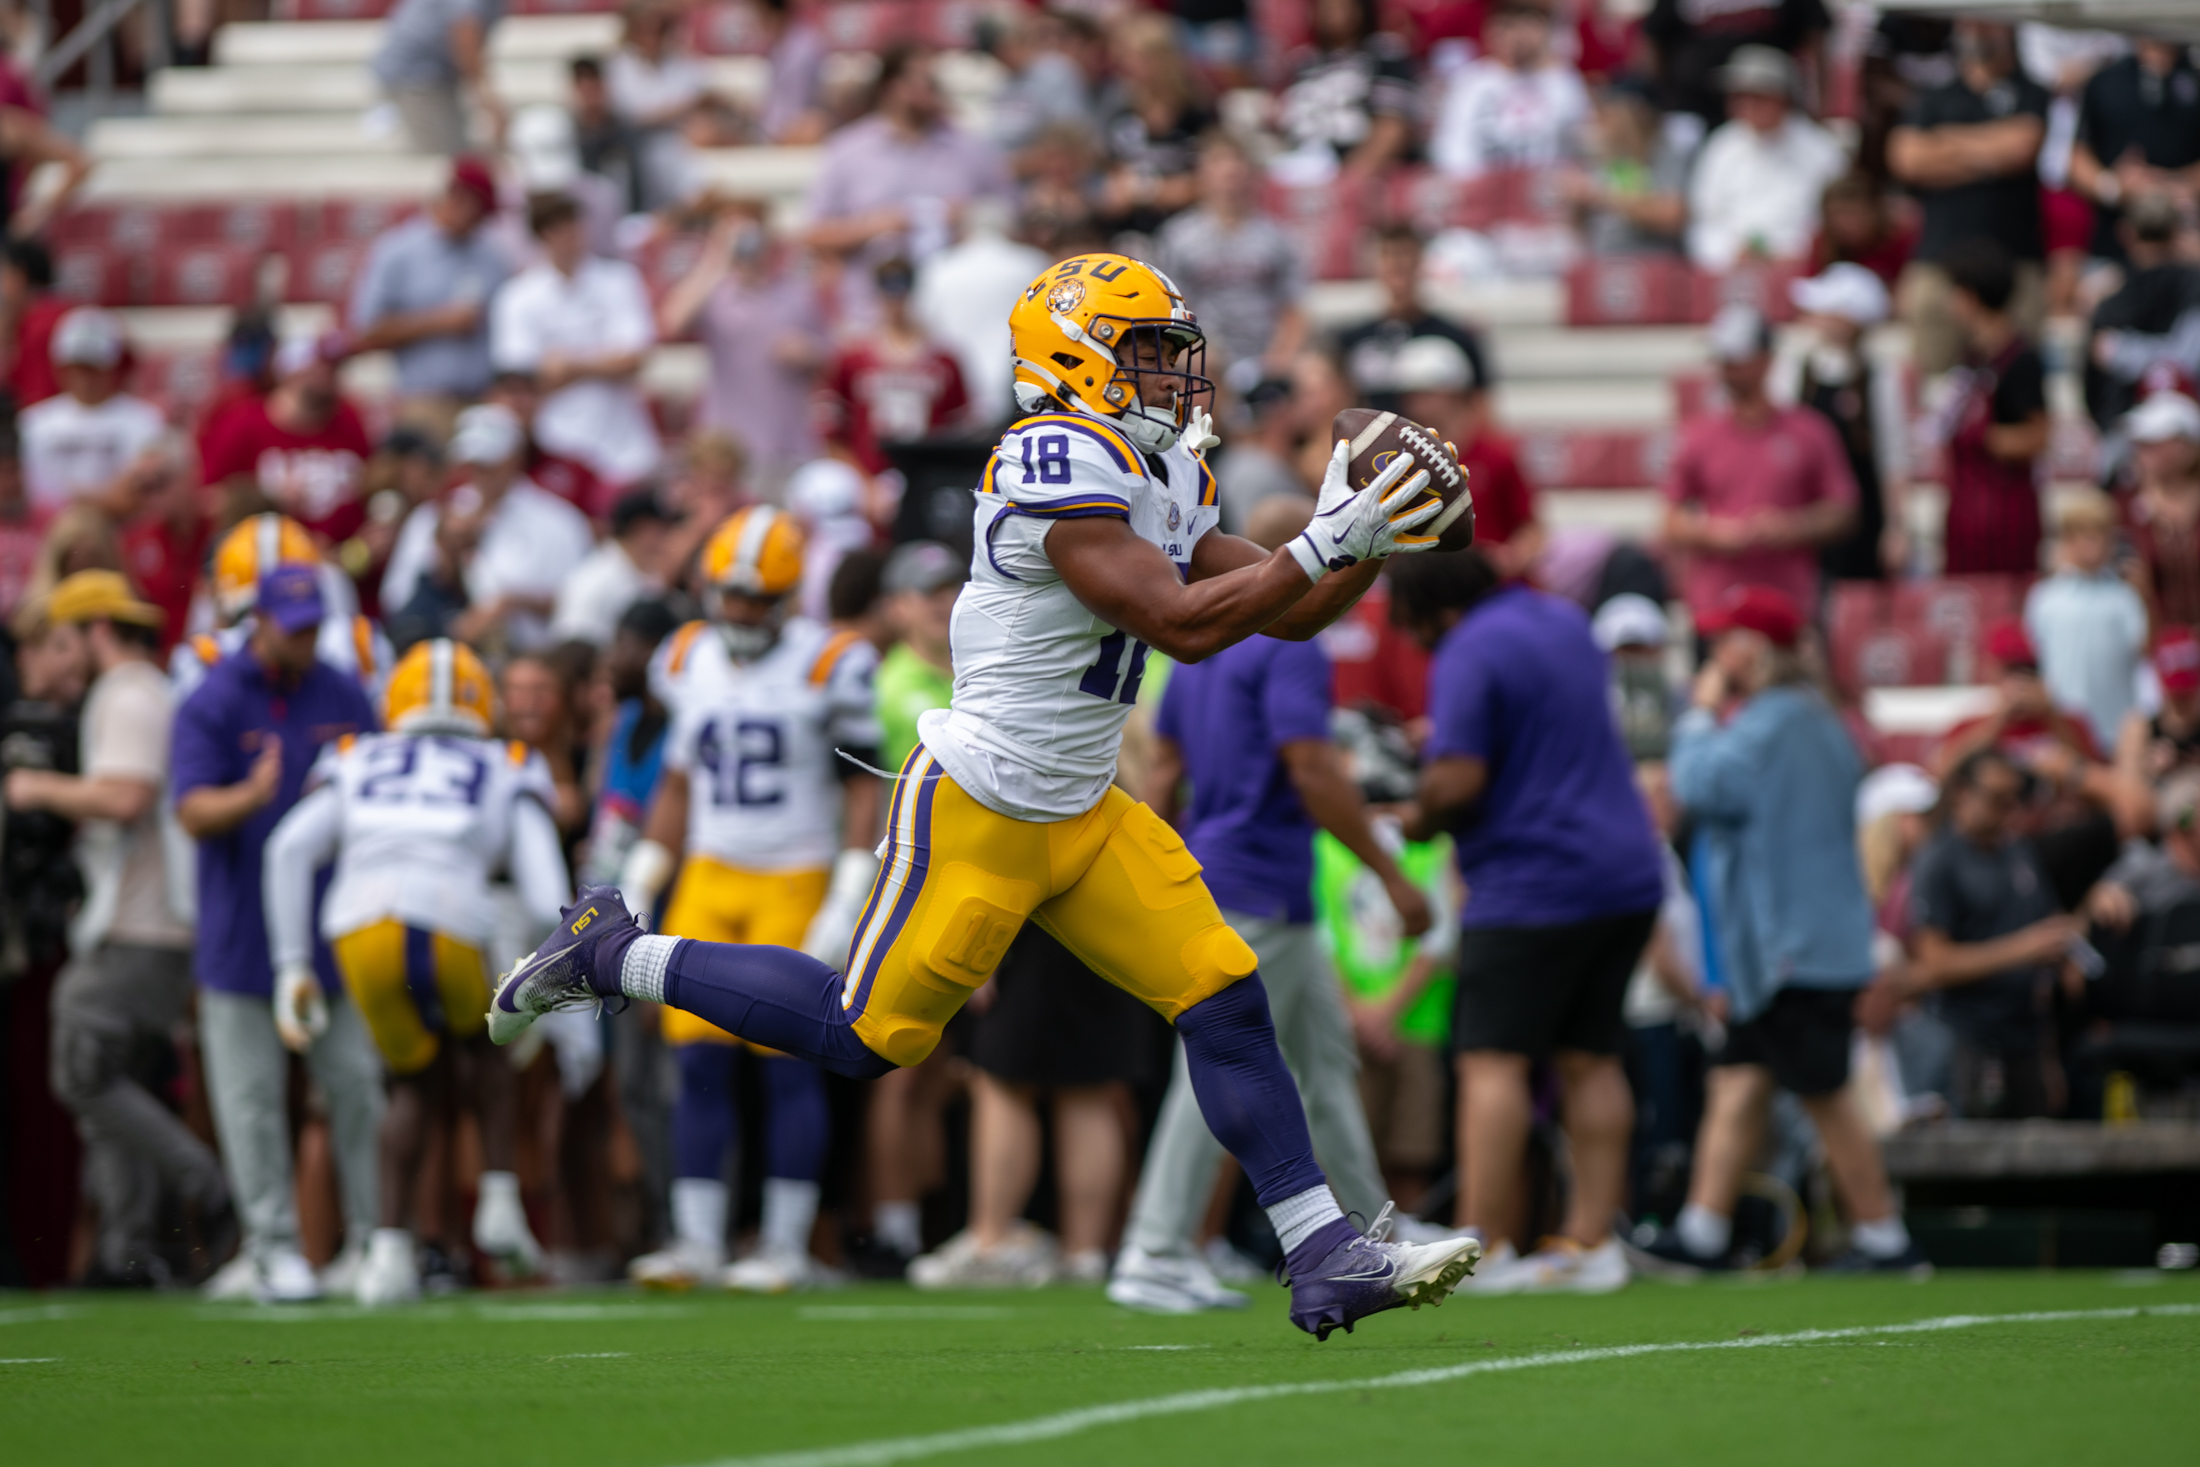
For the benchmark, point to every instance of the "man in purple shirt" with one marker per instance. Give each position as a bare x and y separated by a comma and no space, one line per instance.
244,742
1526,768
892,182
1249,729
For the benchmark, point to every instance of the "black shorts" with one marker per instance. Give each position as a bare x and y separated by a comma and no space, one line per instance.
1055,1022
1803,1038
1533,990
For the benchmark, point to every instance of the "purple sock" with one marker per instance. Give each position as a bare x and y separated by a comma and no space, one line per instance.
799,1127
1246,1092
773,996
703,1117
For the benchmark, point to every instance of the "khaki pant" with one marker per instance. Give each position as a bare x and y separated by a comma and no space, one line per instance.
434,118
1925,301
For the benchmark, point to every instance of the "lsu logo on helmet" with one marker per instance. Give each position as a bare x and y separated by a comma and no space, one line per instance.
440,687
1094,331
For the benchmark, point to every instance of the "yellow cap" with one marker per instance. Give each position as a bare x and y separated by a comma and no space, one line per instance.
101,595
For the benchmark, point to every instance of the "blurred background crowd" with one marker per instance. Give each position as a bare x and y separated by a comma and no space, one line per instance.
1833,363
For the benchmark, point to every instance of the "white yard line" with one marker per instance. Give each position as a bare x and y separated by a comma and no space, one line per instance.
1071,1423
34,1360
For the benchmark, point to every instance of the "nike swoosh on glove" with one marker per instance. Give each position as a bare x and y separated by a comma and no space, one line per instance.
1351,525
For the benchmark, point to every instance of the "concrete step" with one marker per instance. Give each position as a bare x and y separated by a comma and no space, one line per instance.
1641,351
1334,303
1600,403
224,137
354,42
969,79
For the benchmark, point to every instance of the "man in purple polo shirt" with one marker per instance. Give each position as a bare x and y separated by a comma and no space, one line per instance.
244,742
1526,768
1249,728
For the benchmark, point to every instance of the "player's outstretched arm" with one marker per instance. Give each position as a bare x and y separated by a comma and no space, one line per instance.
1332,596
1128,583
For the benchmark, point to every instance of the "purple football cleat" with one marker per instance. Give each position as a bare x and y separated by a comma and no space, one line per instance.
560,974
1365,1274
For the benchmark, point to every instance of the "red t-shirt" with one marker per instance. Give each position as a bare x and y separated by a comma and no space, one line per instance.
163,562
34,379
19,542
1503,503
868,400
1731,470
314,478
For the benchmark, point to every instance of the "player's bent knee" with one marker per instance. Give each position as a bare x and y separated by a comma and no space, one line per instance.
1213,959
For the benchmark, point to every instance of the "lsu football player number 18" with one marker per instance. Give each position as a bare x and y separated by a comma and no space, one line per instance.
416,819
1096,539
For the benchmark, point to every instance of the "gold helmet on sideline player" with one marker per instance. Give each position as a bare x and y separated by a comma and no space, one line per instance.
1093,331
440,687
752,564
252,548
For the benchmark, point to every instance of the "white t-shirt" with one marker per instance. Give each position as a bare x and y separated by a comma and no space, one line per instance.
1042,686
1748,187
601,309
532,543
598,592
757,740
126,725
963,299
70,450
1495,117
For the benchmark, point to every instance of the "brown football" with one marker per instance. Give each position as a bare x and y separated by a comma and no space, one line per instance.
1375,437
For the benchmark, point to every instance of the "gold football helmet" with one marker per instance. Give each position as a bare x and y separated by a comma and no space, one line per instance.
1091,332
250,550
440,687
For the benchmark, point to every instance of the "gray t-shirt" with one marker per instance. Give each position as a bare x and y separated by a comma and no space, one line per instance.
1247,473
1971,893
1238,282
417,267
416,43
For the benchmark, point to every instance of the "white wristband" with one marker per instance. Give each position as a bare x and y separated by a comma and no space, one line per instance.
1309,559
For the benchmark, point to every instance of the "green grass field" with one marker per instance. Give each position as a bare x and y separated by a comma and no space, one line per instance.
864,1375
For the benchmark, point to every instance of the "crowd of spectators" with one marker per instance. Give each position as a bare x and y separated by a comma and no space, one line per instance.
1715,883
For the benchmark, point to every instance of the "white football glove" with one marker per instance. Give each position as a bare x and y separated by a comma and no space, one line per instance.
301,1012
1199,431
834,926
642,876
1351,525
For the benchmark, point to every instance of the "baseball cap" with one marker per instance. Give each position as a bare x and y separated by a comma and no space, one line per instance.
1628,620
87,337
474,177
100,595
2177,660
2010,645
1771,614
486,434
1431,364
1760,71
1738,333
923,565
2164,416
290,596
1893,789
1846,290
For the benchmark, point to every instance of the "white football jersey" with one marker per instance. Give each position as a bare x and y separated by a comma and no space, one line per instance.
1042,686
757,739
420,823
